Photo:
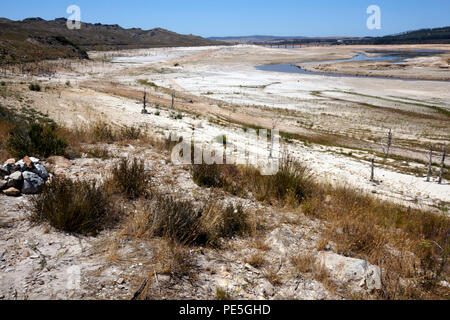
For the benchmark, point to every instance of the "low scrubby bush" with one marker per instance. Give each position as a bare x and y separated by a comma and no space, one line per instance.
290,185
34,87
77,207
182,221
207,175
174,219
38,139
131,178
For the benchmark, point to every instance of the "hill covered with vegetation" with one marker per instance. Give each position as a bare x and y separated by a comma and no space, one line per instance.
35,39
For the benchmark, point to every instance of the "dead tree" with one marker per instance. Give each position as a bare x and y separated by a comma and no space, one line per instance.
173,100
144,109
372,175
444,154
430,166
388,144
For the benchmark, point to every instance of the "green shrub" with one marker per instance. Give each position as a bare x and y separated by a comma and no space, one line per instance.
38,139
207,175
175,116
77,207
218,222
234,221
132,179
222,294
34,87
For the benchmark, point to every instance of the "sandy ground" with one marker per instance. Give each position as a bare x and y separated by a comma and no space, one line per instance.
219,91
37,262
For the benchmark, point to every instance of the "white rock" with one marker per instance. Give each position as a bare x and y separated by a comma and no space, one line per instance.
265,288
355,272
34,160
282,239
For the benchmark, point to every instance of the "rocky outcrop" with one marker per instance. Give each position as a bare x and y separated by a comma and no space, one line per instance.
26,176
356,273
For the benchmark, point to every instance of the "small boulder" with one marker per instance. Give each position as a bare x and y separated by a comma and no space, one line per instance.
40,170
265,289
4,171
32,183
59,161
15,180
10,165
282,239
28,163
357,273
20,165
34,160
12,192
10,162
3,184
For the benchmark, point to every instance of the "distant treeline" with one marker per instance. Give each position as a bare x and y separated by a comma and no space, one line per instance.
425,36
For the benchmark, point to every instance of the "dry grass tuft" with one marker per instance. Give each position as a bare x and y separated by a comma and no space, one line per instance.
223,295
78,207
273,276
100,132
303,263
289,186
411,243
132,179
256,260
173,259
407,243
179,220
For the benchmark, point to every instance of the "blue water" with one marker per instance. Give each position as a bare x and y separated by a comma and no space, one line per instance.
392,57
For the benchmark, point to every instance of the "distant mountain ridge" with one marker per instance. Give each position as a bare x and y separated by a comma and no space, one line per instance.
35,39
435,35
255,38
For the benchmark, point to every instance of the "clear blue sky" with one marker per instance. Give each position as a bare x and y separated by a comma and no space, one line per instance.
245,17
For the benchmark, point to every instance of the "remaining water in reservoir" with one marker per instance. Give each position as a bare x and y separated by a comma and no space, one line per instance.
388,56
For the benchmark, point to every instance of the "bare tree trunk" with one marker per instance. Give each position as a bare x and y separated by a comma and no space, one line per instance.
442,165
430,168
173,100
388,144
144,110
372,176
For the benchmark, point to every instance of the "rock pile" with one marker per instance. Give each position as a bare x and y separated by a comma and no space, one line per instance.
26,176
